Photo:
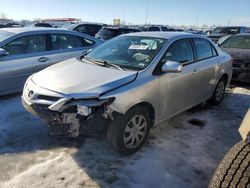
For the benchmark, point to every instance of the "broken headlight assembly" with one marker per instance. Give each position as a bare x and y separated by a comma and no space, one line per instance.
83,107
78,113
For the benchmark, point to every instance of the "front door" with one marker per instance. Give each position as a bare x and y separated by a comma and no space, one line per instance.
179,89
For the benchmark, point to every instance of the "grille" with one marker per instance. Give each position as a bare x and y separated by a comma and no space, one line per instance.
58,129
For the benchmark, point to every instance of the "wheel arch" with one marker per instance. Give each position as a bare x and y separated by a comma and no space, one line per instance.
225,75
150,109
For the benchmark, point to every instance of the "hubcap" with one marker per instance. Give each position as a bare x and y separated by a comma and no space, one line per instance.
135,131
220,91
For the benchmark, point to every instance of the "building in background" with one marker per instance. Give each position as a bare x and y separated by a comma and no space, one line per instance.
116,22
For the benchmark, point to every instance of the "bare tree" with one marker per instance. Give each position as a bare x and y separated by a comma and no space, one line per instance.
3,15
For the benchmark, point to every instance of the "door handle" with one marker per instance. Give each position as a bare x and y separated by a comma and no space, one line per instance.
219,63
43,59
195,71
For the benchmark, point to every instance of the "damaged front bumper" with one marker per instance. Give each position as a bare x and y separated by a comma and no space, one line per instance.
66,115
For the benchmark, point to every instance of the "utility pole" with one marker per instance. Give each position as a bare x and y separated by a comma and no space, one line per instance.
197,19
146,19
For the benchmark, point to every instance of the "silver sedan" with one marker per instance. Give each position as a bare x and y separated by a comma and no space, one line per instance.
24,51
128,85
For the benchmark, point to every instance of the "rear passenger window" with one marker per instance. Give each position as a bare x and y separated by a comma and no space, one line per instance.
181,51
61,42
203,49
27,45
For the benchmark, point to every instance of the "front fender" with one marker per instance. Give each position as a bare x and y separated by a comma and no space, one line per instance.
139,91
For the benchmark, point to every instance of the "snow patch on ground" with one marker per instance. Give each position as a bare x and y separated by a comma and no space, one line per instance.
177,153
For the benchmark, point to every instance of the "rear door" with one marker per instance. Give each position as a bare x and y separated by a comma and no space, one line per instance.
66,46
27,55
206,59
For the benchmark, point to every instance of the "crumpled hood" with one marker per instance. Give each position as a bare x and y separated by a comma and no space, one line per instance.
81,79
238,54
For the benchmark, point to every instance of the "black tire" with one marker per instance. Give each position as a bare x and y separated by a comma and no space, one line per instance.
116,130
214,100
234,169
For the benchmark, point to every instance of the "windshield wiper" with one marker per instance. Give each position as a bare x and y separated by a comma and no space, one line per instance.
104,63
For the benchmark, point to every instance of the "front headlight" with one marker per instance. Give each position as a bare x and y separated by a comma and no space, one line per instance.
83,106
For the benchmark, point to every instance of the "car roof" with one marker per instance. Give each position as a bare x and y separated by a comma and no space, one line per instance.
164,35
29,29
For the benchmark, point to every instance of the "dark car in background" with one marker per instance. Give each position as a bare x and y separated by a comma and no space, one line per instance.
195,31
87,28
238,46
107,33
219,32
160,28
40,24
8,25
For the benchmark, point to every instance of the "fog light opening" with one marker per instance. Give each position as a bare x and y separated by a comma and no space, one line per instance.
83,110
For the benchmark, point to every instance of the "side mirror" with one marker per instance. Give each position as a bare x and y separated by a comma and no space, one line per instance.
3,52
172,66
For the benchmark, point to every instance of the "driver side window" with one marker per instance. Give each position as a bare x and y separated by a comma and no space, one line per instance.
180,51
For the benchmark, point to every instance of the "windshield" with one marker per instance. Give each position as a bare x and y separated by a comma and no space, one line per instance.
239,42
69,26
131,52
4,35
107,33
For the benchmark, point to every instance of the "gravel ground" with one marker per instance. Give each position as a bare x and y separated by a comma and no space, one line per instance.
181,152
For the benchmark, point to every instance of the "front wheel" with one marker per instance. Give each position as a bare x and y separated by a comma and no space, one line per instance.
127,133
218,92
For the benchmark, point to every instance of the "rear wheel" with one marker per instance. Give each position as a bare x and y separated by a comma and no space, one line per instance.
127,133
218,92
234,169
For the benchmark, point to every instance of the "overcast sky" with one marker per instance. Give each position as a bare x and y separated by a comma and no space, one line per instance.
171,12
